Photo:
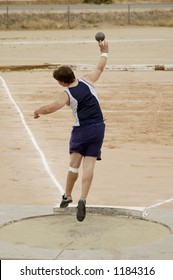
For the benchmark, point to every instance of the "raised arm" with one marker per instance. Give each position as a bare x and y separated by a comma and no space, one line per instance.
95,74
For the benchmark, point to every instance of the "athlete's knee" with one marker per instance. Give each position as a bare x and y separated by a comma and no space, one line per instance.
74,170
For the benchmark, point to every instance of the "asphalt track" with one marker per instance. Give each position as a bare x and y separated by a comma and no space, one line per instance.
86,7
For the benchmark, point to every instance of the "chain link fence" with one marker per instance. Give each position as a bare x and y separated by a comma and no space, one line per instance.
86,15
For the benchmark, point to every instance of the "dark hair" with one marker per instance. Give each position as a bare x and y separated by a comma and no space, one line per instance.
64,74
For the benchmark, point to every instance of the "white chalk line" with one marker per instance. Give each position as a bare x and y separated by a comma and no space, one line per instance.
41,59
162,61
27,42
137,111
160,203
42,156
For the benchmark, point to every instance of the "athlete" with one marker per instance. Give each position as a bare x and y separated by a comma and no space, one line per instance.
88,131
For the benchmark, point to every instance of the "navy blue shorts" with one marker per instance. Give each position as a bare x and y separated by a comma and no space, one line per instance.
87,140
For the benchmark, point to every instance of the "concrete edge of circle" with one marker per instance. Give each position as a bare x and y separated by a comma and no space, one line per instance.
136,212
117,211
105,210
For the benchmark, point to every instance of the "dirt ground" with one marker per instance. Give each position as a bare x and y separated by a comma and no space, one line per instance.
137,158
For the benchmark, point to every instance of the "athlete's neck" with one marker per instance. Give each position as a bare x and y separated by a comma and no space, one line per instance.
74,84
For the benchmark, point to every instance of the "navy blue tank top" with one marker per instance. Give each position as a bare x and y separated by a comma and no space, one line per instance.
84,103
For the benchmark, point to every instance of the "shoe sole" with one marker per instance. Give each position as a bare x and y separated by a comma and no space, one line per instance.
81,211
65,203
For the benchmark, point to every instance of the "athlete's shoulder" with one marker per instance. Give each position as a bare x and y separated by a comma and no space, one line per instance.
86,81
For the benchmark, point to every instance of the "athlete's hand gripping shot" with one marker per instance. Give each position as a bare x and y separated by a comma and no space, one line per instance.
88,131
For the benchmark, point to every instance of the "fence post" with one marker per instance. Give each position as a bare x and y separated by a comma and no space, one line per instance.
7,17
68,15
129,19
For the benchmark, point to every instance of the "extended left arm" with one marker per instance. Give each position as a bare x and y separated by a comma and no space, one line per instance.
51,108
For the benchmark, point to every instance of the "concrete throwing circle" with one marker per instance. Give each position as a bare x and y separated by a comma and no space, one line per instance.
95,232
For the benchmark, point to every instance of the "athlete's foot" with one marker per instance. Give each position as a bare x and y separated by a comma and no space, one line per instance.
81,210
65,201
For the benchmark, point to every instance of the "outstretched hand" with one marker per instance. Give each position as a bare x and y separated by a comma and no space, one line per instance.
36,115
104,48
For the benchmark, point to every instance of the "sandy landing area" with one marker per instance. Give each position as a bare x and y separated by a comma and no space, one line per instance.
137,157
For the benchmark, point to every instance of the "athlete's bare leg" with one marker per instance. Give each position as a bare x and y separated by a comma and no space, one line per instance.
88,171
75,161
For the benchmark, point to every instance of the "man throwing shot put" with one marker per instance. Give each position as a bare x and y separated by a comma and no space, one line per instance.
88,131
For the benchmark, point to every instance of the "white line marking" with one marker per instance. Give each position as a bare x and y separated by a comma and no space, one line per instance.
43,158
27,42
138,111
48,59
160,203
